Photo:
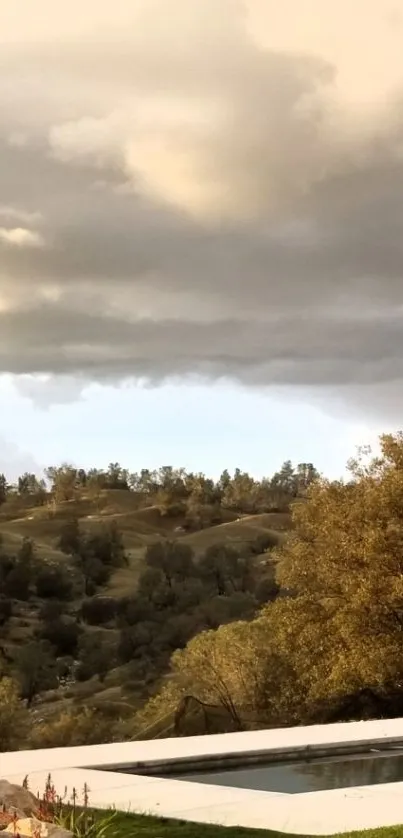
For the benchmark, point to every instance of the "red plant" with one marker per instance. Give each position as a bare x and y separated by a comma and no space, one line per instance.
51,807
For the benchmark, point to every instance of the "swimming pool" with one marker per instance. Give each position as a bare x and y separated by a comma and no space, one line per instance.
147,776
298,777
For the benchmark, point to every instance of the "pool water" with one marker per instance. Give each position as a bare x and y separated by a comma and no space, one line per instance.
314,775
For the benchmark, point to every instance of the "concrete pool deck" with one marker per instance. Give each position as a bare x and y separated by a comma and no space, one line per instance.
313,813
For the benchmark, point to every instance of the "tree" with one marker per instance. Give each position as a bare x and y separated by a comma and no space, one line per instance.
50,610
94,484
4,489
70,540
6,609
98,610
117,477
13,716
241,493
95,554
36,670
62,633
344,564
285,479
218,610
18,572
53,583
94,573
64,482
306,474
29,485
225,570
96,655
82,726
235,668
173,559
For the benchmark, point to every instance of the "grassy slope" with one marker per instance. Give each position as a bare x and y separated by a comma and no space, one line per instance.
139,528
239,533
149,827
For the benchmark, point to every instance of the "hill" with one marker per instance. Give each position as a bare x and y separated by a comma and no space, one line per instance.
139,528
100,629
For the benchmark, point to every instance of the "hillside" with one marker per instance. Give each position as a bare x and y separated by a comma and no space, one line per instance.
139,528
121,689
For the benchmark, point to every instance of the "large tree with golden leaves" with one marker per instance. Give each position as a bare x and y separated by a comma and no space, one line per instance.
344,563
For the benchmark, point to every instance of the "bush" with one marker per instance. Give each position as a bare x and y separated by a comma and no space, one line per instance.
6,610
267,590
18,582
51,611
53,583
63,634
80,727
13,716
96,655
264,542
98,610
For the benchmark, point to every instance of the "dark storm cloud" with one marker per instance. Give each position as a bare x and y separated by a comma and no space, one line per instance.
184,211
328,348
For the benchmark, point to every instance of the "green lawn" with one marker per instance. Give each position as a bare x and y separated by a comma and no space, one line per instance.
149,827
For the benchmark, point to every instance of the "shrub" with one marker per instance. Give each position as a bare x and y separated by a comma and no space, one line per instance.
79,727
98,610
18,582
6,610
63,634
50,611
69,813
13,716
53,583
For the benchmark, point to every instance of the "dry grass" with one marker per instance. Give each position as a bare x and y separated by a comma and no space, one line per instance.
139,528
124,580
13,536
279,521
237,533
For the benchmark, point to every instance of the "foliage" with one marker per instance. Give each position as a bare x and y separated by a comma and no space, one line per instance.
96,656
85,824
98,610
36,669
16,572
62,633
53,582
6,609
4,488
95,554
70,813
13,716
83,726
338,634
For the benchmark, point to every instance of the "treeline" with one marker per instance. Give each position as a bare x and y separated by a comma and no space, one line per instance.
174,491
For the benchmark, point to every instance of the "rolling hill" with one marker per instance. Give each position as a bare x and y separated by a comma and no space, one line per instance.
139,527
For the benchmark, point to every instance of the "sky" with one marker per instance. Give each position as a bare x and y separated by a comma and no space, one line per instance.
200,232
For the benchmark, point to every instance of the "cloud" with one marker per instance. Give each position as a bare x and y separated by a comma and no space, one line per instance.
47,390
14,213
20,237
222,188
14,461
